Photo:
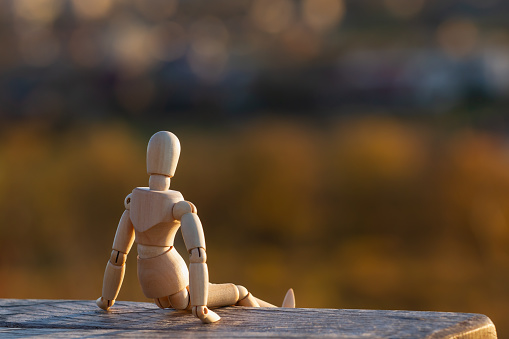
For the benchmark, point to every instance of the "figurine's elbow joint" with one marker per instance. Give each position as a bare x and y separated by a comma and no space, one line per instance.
118,258
198,256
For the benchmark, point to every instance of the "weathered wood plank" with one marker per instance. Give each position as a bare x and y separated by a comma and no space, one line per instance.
73,318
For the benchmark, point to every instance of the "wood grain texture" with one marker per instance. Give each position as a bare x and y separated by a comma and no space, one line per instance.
163,153
198,284
73,318
222,295
163,275
149,208
124,237
113,277
192,231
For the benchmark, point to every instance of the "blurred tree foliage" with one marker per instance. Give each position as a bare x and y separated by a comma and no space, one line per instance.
370,212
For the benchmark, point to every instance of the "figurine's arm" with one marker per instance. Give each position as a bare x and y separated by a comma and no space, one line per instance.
115,269
192,231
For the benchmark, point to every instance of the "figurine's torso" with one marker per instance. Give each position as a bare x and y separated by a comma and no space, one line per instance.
152,218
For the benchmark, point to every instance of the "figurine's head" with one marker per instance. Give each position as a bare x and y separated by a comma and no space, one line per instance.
163,153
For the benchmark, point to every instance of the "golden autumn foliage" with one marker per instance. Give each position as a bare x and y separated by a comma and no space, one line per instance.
363,213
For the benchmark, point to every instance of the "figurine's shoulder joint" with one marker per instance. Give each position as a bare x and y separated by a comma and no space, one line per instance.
183,207
127,201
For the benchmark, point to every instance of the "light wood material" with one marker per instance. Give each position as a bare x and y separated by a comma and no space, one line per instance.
152,218
163,275
205,315
82,318
289,300
243,292
162,234
113,277
105,304
181,208
118,258
192,231
163,153
159,182
180,300
149,208
222,295
248,301
163,302
264,303
127,201
194,209
146,251
198,255
198,283
124,237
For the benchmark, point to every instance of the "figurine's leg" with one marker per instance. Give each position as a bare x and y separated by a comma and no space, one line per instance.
250,300
263,303
230,294
221,295
178,301
181,300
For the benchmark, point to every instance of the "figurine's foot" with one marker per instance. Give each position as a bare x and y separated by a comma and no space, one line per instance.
105,304
206,316
289,300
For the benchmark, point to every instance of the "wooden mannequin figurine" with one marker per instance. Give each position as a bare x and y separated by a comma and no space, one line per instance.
152,217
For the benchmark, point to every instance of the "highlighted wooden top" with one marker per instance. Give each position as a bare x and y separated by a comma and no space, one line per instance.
78,318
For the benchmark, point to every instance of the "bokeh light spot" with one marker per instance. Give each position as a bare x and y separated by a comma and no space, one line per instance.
404,8
131,47
208,56
300,43
157,10
37,11
458,37
321,15
92,9
272,16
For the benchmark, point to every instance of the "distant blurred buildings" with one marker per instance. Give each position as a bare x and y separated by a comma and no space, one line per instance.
222,59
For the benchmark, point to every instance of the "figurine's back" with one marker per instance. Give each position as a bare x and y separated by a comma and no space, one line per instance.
152,218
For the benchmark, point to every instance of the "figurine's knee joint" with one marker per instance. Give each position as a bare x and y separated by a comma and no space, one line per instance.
181,208
118,258
163,302
180,300
243,292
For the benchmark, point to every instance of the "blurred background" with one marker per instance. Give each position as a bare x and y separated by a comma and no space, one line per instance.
354,150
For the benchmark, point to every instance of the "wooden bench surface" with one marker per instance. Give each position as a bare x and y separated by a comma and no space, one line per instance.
82,318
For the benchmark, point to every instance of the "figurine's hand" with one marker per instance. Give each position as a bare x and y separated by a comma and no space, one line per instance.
206,316
105,304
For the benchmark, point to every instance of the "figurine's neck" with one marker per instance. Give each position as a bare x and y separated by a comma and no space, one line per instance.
159,182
